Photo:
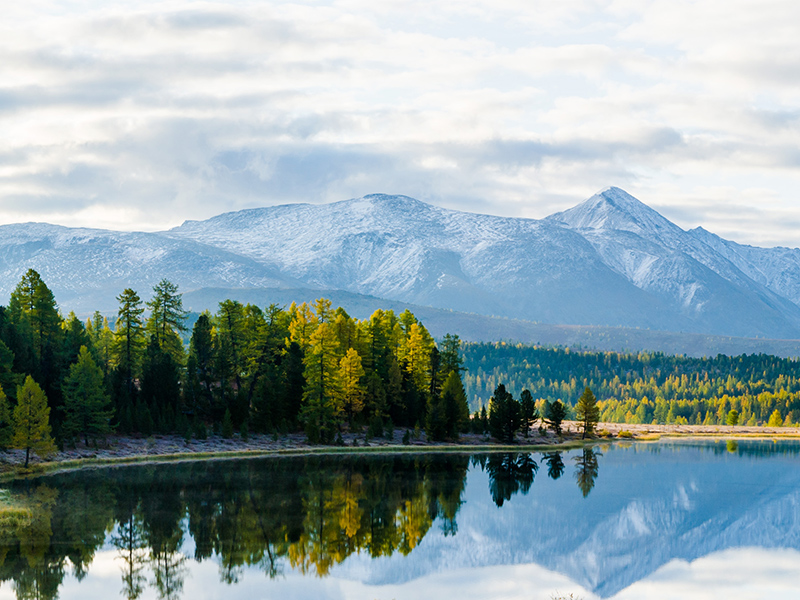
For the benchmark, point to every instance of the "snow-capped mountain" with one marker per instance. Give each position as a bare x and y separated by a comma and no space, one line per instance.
609,261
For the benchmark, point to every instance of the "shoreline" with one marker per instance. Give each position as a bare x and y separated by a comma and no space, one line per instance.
131,450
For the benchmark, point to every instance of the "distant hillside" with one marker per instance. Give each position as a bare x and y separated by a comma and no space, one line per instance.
478,328
610,262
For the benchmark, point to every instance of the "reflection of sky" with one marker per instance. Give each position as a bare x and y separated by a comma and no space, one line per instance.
663,521
738,574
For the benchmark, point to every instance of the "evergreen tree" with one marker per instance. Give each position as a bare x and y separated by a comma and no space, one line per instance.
555,413
102,341
200,366
322,407
167,319
587,470
32,421
733,417
32,308
454,403
504,415
528,413
587,412
6,421
86,404
775,419
129,337
160,387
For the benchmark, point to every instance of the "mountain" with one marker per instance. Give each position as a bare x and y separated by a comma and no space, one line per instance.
610,261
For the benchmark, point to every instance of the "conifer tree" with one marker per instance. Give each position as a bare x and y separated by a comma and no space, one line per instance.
86,404
504,415
200,365
555,413
167,319
587,412
528,413
454,401
351,375
129,336
6,421
32,421
322,407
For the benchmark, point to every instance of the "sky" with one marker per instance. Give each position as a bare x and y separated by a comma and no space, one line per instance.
139,115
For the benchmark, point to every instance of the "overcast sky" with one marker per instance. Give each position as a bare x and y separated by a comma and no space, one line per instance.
140,115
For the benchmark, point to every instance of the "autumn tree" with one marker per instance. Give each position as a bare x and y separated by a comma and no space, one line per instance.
32,421
322,407
351,375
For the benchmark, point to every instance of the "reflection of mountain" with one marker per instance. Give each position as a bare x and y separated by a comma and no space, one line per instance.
650,505
393,519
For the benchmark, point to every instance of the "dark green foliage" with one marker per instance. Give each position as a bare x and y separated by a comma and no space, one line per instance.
587,412
227,425
407,437
87,406
555,464
160,385
504,415
448,413
555,413
528,413
375,427
510,474
587,470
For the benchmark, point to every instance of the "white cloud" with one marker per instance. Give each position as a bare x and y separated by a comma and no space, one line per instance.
143,114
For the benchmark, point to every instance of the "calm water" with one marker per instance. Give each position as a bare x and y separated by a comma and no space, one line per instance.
662,520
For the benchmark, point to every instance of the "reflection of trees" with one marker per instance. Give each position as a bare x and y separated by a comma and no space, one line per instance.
311,513
129,540
510,473
587,470
555,465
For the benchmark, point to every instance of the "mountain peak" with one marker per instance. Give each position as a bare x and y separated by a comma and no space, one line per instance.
614,209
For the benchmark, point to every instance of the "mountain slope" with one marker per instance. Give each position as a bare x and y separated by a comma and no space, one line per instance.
610,261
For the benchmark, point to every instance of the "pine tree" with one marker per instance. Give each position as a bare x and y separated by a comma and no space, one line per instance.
129,336
504,415
321,410
555,413
86,404
167,319
200,366
775,419
6,421
32,421
454,403
587,412
528,413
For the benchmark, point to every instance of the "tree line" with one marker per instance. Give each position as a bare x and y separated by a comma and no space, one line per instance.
641,387
308,367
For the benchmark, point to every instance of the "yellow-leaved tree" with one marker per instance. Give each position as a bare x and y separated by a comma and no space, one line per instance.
32,421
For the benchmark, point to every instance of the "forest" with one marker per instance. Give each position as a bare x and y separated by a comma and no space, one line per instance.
641,387
305,367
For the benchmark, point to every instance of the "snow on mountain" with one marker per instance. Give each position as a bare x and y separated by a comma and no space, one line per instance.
88,268
610,261
678,266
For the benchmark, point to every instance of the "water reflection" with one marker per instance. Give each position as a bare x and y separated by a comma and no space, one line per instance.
396,517
305,514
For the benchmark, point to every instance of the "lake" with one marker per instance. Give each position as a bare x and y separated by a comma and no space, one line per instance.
682,519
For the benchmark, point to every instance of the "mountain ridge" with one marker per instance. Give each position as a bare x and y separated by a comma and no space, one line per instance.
609,261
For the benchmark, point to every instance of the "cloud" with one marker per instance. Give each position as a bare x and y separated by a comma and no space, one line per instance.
140,115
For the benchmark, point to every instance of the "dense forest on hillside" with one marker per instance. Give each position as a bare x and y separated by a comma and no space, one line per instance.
273,370
642,387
